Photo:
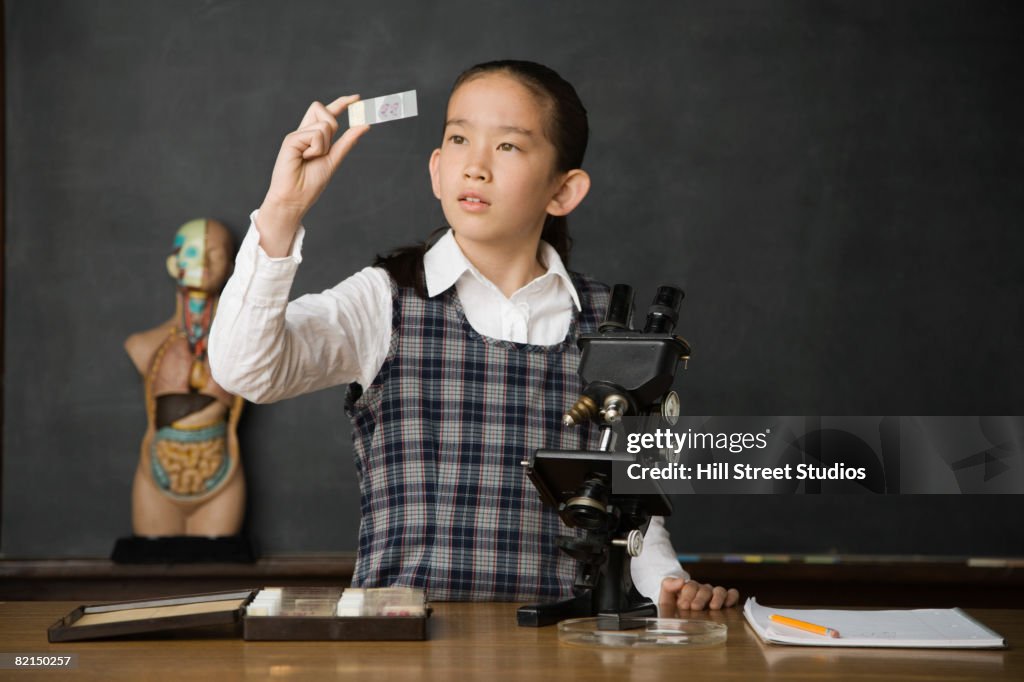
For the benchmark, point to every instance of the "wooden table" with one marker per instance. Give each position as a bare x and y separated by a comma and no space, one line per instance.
482,641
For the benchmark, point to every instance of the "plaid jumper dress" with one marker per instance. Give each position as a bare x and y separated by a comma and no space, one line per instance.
439,436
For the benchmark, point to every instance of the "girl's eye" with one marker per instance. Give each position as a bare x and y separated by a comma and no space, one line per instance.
457,139
507,147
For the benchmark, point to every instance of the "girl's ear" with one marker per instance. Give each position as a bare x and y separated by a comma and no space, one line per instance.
574,187
435,184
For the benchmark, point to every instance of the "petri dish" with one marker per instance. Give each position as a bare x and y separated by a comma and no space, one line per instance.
653,633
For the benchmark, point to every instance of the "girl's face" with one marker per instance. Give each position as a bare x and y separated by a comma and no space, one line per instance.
495,171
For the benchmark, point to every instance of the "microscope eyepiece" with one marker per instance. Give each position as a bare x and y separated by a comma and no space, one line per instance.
664,311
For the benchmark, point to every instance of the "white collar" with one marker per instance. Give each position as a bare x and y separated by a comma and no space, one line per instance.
445,263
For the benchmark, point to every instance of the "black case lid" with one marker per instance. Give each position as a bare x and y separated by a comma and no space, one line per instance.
151,615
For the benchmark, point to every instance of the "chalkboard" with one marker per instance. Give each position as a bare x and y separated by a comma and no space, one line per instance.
836,185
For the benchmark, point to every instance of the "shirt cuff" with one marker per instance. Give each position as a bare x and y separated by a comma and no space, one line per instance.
656,562
267,280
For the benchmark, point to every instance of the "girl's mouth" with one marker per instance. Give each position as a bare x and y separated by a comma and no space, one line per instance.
472,202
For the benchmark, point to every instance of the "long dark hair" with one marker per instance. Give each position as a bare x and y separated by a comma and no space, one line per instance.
567,128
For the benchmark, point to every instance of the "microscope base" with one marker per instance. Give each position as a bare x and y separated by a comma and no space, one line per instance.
539,615
627,620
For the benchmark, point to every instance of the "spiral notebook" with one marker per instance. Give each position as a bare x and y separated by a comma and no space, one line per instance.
909,628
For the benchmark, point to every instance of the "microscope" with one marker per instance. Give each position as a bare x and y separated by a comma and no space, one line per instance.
626,373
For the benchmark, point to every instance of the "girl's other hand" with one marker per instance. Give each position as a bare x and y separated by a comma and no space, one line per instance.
304,166
678,595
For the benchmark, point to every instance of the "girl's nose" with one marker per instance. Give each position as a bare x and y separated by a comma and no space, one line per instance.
477,168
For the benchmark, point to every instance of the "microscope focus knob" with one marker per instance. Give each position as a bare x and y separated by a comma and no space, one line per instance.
582,411
614,408
634,543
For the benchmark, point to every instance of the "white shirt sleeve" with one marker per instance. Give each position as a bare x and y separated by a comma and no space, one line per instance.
264,348
656,562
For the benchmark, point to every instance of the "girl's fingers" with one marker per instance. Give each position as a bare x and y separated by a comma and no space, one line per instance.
311,141
294,145
344,144
309,157
717,598
684,602
318,134
324,118
695,596
316,111
339,105
309,116
701,599
319,112
670,588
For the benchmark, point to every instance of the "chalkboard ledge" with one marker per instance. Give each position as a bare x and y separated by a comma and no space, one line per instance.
867,580
88,578
795,580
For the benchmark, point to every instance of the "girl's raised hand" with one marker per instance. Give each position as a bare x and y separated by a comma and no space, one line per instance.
304,166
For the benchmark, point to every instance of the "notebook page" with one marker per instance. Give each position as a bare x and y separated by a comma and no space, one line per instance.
889,628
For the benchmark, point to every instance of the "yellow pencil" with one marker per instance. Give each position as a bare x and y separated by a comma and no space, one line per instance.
804,625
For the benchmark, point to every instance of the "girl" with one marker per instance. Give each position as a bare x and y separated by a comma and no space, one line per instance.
461,357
